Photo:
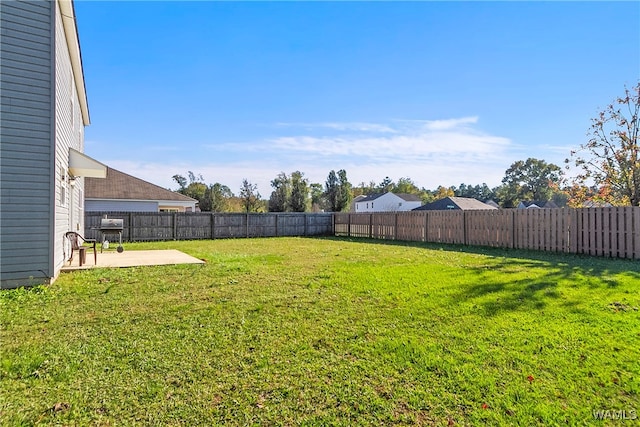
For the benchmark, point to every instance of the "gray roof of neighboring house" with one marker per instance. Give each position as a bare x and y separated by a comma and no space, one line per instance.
455,203
540,204
370,197
404,196
408,197
119,185
592,204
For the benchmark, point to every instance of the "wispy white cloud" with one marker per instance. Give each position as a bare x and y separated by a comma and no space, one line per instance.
430,152
341,126
417,140
441,125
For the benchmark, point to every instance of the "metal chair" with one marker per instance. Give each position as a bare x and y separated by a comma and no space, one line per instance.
74,239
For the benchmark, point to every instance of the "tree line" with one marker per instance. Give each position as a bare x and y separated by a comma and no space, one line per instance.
291,193
608,167
532,179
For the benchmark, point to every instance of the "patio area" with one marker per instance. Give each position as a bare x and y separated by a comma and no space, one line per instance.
113,259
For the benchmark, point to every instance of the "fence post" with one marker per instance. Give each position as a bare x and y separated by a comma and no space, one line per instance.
175,226
426,226
246,225
514,233
277,217
395,226
333,224
213,225
131,227
635,212
349,225
464,228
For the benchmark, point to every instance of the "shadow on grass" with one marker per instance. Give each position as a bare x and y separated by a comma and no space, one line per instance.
527,280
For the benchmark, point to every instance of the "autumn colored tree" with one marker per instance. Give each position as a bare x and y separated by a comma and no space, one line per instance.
442,192
610,158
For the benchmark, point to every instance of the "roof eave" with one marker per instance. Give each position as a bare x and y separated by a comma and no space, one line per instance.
73,42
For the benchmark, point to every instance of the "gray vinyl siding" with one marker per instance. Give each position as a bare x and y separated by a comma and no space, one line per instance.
120,206
68,134
27,141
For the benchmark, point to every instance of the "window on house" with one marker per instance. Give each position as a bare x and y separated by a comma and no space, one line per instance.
63,193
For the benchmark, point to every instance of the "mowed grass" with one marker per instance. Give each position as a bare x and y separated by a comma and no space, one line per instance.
295,331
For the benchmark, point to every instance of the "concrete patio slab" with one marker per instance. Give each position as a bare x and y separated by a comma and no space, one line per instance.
113,259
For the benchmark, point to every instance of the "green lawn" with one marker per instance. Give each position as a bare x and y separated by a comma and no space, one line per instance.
295,331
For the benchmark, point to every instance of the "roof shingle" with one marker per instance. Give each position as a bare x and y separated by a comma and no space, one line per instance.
119,185
462,203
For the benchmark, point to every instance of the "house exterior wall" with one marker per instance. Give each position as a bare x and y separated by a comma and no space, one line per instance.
120,205
409,205
69,133
388,202
106,205
40,120
27,133
173,206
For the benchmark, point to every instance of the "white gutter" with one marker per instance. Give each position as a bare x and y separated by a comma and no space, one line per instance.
71,34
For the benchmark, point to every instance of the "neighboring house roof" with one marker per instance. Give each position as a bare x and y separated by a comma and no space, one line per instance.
492,203
403,196
593,204
119,185
68,16
408,197
455,203
370,197
526,204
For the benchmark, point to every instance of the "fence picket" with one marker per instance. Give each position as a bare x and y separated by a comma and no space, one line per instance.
609,232
636,233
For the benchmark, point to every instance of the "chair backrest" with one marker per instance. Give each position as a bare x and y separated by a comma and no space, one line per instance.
73,239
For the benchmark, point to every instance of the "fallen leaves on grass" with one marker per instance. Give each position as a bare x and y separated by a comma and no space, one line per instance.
59,407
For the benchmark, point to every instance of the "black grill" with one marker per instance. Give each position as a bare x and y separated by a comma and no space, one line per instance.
111,226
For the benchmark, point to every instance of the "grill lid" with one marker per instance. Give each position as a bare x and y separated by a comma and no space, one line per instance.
111,224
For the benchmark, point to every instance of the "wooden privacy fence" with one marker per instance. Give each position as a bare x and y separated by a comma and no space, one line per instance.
609,232
148,226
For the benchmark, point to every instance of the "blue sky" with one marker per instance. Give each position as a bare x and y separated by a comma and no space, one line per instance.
440,92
